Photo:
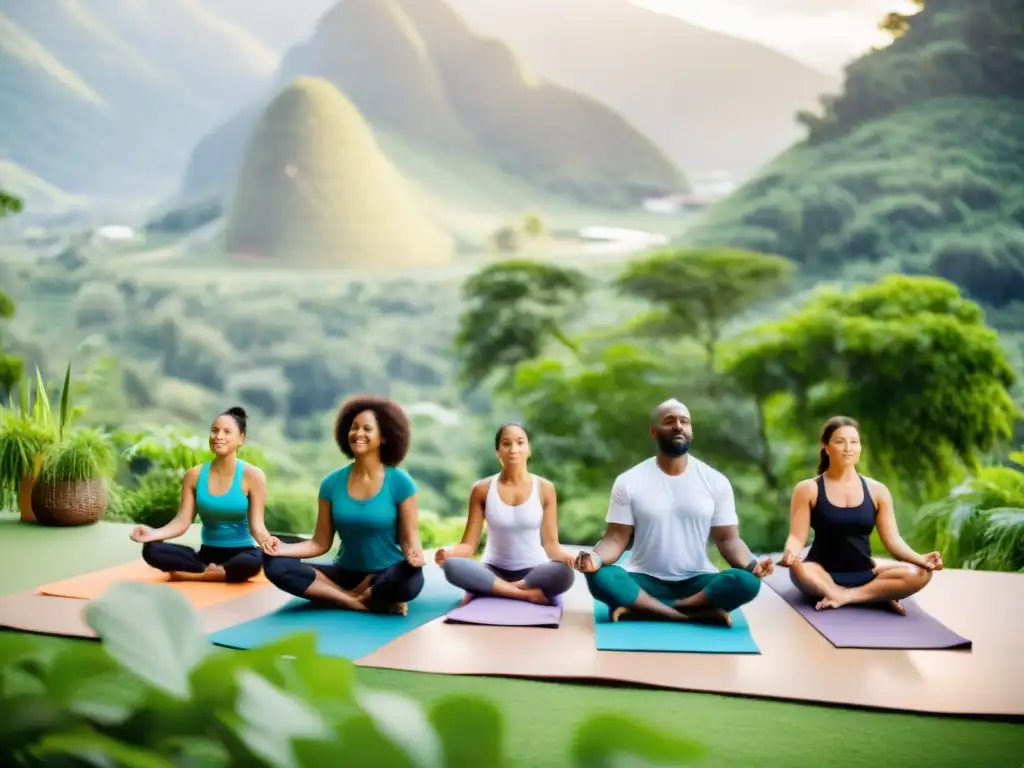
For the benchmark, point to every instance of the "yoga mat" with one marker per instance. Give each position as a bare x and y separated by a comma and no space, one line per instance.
870,626
341,633
671,636
505,612
90,586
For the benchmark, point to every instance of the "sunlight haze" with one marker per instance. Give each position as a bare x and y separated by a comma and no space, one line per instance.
825,35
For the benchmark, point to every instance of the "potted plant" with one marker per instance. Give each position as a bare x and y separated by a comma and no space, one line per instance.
57,474
27,432
71,487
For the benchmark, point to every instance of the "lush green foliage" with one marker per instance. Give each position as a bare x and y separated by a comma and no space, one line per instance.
980,524
513,309
916,166
948,48
757,414
11,366
850,352
155,694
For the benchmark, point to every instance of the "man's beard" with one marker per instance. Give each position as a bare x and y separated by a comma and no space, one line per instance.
669,446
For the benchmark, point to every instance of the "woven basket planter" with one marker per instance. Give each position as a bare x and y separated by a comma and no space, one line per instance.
67,504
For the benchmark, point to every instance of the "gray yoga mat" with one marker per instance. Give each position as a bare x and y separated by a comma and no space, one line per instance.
870,626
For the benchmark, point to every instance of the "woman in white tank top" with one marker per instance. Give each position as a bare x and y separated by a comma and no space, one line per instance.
522,559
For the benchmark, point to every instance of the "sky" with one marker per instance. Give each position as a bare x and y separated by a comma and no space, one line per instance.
823,33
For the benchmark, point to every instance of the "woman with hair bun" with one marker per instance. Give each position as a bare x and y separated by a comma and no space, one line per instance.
844,508
371,505
223,493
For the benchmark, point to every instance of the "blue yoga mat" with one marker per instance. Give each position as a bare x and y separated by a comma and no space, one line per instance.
340,633
670,637
665,636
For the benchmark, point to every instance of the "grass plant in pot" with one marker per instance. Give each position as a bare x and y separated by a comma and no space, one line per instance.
71,488
27,432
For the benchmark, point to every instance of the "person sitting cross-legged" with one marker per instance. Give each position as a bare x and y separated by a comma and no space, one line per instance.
669,505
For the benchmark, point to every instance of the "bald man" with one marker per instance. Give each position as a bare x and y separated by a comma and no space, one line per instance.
671,504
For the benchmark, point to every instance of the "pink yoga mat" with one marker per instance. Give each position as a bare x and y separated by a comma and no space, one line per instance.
870,626
504,612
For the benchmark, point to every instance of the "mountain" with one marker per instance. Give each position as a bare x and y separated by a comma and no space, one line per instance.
107,97
710,101
915,166
416,71
316,190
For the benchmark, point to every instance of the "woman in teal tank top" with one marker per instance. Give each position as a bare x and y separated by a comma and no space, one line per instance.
371,505
222,493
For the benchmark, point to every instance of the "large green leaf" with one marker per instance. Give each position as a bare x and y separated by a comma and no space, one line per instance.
471,730
271,718
27,717
97,749
402,721
153,631
92,685
606,741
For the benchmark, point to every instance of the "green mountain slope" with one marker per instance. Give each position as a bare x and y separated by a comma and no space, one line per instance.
316,190
417,71
919,163
711,101
109,96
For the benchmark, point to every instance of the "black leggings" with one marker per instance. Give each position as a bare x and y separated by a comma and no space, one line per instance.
398,583
240,563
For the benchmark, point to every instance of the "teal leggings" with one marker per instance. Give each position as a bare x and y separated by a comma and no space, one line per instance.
616,587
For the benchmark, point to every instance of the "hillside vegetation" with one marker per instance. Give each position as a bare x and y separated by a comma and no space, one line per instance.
710,101
316,190
416,71
916,166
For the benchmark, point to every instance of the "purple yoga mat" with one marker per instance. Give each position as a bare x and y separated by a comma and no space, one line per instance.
505,612
870,626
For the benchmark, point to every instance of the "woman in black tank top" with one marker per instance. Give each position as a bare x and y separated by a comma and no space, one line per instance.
843,508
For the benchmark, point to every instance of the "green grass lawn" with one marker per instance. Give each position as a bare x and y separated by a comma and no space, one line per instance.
540,717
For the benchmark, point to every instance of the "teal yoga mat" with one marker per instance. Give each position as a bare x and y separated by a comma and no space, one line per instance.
344,634
672,637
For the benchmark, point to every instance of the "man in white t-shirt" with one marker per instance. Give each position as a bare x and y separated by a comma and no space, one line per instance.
670,505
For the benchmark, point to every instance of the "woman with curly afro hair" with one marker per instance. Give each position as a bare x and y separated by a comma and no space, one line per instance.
371,505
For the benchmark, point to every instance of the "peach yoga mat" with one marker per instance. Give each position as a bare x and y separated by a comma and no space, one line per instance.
90,586
64,616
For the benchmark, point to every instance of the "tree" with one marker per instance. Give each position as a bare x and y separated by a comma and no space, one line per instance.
697,293
909,357
514,308
11,366
9,204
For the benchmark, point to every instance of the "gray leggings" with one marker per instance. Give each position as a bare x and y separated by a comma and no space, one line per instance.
475,577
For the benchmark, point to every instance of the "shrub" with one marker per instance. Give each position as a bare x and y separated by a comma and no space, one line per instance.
156,693
153,502
291,508
436,531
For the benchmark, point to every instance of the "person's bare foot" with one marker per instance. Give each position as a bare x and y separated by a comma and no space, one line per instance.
707,615
534,595
896,607
622,613
396,609
835,601
212,573
465,599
